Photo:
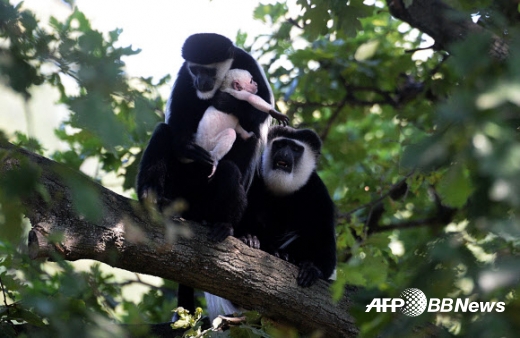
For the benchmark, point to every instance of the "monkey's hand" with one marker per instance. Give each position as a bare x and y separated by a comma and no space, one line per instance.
282,255
251,241
151,196
220,231
196,153
281,118
308,275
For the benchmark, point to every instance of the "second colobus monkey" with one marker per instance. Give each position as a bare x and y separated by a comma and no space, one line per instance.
290,213
218,129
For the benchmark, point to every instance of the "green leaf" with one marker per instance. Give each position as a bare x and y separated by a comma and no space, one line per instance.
318,16
455,187
94,113
366,50
85,195
28,21
348,19
25,315
242,332
427,155
371,271
8,330
83,22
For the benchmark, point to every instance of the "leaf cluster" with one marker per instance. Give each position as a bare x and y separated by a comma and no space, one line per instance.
419,152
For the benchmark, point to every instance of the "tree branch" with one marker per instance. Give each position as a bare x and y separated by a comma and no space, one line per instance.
325,132
443,23
129,238
431,221
378,200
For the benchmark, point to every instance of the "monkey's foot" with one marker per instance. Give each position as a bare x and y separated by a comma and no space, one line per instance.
247,136
282,255
251,241
150,197
220,231
308,274
213,171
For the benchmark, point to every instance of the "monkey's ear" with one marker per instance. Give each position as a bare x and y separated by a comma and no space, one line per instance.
237,86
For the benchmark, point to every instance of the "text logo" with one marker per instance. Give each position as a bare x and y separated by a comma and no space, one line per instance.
416,302
413,302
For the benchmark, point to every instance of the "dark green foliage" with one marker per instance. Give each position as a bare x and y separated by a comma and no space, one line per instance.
447,128
110,121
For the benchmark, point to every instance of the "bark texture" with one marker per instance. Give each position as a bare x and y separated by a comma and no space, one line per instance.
127,237
444,24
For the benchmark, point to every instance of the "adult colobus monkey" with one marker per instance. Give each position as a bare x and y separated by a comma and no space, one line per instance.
290,213
173,167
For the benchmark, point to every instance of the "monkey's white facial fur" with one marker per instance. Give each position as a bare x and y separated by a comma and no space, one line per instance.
249,85
286,177
243,78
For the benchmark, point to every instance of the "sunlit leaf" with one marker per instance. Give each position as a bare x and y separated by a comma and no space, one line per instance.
366,50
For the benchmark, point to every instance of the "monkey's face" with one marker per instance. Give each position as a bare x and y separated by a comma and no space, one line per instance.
204,78
249,85
289,159
285,155
208,78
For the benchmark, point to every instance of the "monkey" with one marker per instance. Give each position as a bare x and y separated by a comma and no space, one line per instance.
217,130
174,168
290,213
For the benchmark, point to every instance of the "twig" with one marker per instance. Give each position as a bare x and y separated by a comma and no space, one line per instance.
294,23
7,306
411,51
378,200
334,116
408,225
5,295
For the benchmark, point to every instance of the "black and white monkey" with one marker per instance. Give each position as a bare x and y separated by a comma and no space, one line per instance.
173,167
290,213
218,129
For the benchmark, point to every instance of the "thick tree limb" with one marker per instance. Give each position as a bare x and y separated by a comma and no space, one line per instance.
128,238
443,23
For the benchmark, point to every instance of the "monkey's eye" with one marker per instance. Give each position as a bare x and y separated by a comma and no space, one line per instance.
296,148
251,81
277,145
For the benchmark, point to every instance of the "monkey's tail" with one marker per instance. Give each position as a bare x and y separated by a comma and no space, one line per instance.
219,306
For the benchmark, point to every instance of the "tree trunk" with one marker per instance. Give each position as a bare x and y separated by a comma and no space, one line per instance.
130,238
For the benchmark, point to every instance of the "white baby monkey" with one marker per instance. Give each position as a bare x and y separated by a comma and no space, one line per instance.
217,129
